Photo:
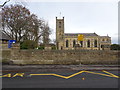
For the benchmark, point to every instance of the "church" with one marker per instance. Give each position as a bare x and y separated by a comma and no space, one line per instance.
84,41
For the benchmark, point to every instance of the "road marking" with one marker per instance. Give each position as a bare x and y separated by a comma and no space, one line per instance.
10,75
83,78
49,75
108,75
19,74
6,75
67,77
75,74
111,74
61,76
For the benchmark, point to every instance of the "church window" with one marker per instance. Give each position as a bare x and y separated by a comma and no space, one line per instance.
81,43
102,46
95,43
107,39
74,43
67,43
59,26
59,23
88,43
103,40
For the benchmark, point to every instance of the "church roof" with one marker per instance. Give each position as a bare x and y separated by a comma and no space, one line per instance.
85,34
104,36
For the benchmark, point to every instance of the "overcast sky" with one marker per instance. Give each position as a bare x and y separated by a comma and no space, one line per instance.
86,16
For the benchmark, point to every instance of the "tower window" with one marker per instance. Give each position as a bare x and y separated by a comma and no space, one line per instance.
102,46
59,26
95,43
88,43
67,43
103,40
59,23
81,43
74,43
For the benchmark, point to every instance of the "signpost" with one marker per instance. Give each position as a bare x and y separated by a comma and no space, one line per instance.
80,37
10,42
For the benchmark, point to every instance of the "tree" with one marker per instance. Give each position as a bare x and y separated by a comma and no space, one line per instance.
28,44
33,29
115,47
20,24
4,3
14,19
45,34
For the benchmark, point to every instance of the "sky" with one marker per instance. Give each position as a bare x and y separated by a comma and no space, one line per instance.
88,16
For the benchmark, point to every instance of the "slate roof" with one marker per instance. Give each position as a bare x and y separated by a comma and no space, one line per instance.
4,36
104,36
85,34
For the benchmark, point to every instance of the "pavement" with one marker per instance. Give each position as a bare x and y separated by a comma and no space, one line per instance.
35,68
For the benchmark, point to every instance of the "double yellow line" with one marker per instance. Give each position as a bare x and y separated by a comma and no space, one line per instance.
108,74
67,77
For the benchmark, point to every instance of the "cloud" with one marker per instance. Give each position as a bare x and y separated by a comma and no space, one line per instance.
115,40
72,0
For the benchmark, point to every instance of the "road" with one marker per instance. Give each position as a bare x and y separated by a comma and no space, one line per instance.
61,79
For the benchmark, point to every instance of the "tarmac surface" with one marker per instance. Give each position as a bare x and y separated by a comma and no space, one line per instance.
60,76
43,80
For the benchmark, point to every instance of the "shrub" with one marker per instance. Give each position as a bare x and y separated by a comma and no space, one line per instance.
41,47
115,47
53,47
28,44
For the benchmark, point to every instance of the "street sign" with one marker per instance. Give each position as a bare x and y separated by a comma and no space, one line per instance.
80,37
10,42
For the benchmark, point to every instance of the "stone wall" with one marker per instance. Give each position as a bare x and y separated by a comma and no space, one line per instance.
4,46
61,56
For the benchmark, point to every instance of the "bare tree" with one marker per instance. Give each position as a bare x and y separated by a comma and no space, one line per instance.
20,24
45,34
4,3
14,18
34,28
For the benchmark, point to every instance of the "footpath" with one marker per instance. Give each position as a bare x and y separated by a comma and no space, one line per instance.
36,68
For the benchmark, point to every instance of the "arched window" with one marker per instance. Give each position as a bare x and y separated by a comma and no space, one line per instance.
67,43
81,43
102,46
88,43
59,24
95,43
107,39
103,40
74,43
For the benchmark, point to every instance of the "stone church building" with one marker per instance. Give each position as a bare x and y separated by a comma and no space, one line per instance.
71,41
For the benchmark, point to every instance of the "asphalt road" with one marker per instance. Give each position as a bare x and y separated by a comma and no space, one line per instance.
61,79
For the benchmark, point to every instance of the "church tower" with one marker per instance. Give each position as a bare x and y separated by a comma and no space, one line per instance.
60,33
